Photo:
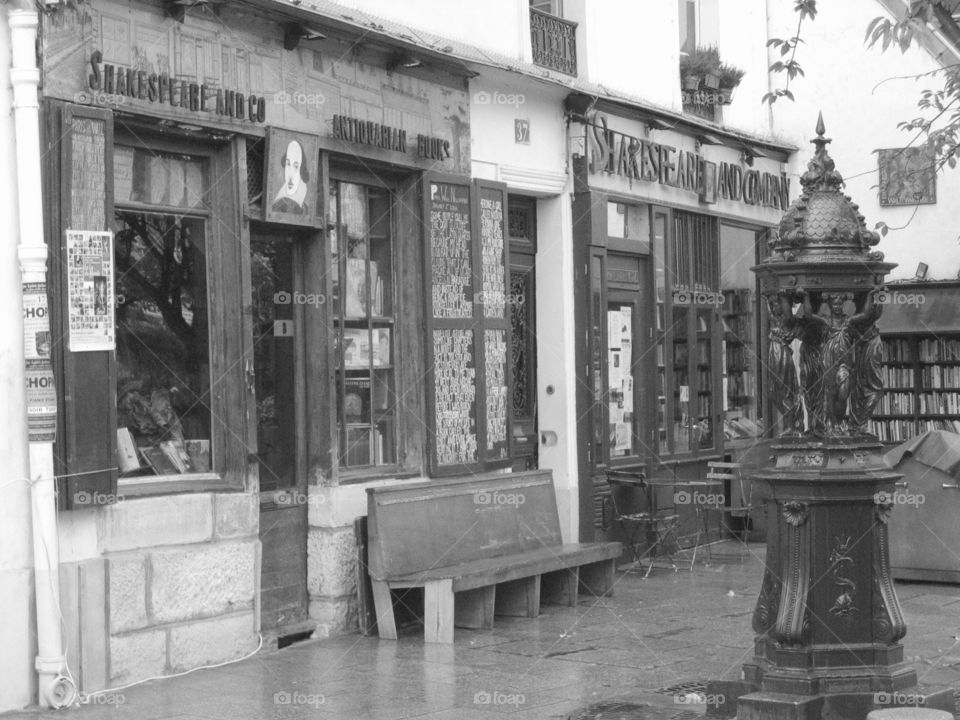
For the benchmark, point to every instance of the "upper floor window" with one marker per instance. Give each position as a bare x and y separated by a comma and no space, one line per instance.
553,7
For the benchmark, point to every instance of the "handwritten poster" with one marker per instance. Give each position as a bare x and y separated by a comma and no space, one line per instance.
90,291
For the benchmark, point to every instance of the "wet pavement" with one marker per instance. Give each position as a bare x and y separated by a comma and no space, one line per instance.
644,653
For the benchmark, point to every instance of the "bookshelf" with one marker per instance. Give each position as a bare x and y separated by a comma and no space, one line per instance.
363,316
920,362
739,365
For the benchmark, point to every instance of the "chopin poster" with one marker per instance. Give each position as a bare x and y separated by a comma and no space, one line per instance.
90,290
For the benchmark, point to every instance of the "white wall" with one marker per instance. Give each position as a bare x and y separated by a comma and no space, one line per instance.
742,38
498,25
861,112
17,626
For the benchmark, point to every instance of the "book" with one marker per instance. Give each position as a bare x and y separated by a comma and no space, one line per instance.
177,455
356,400
355,297
381,355
356,348
127,458
159,461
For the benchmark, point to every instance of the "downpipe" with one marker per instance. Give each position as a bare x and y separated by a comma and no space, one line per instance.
55,688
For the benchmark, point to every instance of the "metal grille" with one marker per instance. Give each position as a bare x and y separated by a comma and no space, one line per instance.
255,153
521,288
696,252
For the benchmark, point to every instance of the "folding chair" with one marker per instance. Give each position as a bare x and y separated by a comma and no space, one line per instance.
637,527
741,500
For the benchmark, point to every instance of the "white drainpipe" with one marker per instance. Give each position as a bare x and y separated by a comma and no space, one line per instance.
54,690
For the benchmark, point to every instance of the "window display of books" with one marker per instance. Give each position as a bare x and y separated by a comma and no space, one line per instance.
361,345
167,457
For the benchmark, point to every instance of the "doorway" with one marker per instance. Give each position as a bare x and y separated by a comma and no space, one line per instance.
278,373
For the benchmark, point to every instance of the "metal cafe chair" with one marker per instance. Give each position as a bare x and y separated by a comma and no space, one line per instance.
638,527
741,500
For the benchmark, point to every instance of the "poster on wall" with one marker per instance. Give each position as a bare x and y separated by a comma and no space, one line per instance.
90,292
290,176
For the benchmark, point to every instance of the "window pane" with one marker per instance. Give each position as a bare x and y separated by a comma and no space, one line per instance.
145,176
362,252
620,342
660,284
163,366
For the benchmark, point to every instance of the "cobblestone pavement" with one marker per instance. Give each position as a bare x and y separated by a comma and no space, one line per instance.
650,645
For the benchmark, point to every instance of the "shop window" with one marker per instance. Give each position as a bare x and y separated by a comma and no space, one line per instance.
628,223
738,250
162,324
362,253
686,249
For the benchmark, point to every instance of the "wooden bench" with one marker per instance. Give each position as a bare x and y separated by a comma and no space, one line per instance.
478,547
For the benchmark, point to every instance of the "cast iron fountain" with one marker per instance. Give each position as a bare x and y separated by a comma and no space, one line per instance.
828,622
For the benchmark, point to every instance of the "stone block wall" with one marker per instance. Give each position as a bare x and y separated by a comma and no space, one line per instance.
182,576
332,554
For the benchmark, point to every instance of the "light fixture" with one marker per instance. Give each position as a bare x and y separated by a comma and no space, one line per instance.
921,271
294,33
403,60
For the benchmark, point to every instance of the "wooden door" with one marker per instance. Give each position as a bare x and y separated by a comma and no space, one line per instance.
277,324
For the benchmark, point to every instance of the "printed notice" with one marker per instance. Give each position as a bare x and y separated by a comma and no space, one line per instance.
36,322
90,290
41,401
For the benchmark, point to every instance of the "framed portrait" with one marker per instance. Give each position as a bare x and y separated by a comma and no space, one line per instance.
290,188
907,177
708,187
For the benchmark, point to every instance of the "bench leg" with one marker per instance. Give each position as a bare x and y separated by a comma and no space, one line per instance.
383,604
519,598
597,578
438,611
474,608
560,587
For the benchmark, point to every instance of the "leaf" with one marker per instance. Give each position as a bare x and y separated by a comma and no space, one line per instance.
872,26
777,67
789,95
773,42
784,49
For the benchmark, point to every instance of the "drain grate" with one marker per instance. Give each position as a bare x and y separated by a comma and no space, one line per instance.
632,711
691,686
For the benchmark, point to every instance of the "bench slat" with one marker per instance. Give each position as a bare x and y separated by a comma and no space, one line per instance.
491,571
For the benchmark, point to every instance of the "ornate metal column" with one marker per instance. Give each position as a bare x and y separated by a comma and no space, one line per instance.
828,622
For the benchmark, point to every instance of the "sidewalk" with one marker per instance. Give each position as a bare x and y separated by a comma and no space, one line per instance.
651,643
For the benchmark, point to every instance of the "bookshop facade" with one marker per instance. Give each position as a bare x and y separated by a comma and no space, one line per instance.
666,227
250,232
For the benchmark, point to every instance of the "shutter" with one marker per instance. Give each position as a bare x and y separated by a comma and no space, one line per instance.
466,276
79,185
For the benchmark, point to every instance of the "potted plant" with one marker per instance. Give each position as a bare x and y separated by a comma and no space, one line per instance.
700,67
730,76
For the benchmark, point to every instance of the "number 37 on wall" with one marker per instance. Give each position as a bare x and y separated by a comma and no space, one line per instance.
521,131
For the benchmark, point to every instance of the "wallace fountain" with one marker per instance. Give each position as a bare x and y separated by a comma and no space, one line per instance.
827,621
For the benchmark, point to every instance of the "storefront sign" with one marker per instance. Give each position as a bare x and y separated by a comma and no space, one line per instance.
634,158
90,290
385,137
121,82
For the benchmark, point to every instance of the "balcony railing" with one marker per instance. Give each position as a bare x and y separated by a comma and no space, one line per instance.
554,42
